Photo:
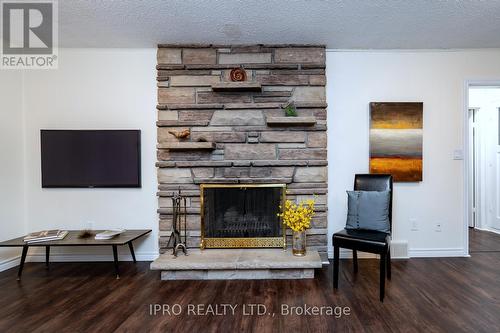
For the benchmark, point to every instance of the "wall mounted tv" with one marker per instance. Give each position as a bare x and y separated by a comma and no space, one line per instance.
91,158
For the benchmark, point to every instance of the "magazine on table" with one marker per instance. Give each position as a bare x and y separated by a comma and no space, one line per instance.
45,236
108,234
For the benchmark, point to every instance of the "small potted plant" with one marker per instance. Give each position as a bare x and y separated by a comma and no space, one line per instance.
298,218
290,110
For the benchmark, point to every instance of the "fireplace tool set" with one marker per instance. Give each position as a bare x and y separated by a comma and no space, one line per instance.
179,224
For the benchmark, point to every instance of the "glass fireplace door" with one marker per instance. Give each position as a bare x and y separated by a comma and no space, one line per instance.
242,215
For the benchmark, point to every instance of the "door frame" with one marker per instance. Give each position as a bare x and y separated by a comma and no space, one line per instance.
466,150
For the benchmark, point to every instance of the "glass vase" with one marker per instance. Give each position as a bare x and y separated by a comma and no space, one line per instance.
299,243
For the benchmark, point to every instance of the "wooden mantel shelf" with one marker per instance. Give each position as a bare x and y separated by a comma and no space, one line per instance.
237,86
291,121
187,145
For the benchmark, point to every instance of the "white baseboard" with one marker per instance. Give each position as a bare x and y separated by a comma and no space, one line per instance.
437,252
69,257
489,229
9,263
75,257
150,256
399,250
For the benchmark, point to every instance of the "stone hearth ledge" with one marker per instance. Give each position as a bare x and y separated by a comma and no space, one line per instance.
244,264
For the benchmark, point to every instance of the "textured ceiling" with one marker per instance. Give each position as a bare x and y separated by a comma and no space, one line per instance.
354,24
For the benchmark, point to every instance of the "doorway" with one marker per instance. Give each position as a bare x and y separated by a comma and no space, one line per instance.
483,165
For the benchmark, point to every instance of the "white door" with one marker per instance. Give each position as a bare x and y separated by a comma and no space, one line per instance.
485,150
491,179
495,218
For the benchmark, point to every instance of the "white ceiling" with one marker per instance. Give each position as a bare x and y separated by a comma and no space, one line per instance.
353,24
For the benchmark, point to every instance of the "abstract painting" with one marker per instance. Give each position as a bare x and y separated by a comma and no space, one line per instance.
396,140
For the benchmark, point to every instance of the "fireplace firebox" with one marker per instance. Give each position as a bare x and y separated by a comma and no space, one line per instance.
242,215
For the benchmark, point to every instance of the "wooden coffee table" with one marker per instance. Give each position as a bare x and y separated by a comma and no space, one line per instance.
72,239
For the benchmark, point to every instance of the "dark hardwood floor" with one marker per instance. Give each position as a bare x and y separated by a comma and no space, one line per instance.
483,241
425,295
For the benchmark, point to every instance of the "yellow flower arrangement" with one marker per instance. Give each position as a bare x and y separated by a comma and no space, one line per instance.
298,216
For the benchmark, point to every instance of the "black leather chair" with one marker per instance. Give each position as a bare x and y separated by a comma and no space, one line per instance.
366,240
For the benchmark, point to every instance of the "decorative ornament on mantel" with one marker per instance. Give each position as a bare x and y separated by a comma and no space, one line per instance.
181,134
298,218
290,109
238,74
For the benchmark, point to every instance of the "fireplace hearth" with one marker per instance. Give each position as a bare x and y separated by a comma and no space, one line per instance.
243,215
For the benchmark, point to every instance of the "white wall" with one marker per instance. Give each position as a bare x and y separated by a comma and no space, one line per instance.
94,89
115,88
436,78
11,164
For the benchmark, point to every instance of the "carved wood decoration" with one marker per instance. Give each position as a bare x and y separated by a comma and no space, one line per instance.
180,134
238,75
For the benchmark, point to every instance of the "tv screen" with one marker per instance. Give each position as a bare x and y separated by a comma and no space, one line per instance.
91,158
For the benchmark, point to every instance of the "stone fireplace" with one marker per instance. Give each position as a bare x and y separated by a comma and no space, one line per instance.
213,132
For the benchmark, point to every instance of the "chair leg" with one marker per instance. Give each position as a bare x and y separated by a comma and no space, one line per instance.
383,264
389,264
355,260
47,256
335,267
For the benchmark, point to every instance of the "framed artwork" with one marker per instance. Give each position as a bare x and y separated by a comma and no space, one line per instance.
396,140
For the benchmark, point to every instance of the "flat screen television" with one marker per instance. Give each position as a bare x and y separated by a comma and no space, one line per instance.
91,158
